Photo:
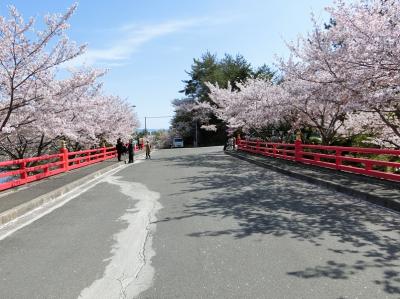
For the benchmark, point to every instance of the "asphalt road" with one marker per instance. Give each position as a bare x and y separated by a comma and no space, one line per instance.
195,223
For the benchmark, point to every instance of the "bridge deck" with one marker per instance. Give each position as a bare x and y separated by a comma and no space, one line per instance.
196,223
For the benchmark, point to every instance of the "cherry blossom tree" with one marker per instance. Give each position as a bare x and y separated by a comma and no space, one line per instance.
83,117
36,108
359,53
113,118
28,61
321,108
371,34
255,104
341,79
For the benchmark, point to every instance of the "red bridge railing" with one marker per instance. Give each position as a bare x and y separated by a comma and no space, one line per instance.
23,171
381,163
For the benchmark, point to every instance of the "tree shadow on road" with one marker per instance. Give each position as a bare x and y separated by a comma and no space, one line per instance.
264,202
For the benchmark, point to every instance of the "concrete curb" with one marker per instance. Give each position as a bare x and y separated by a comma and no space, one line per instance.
363,195
26,207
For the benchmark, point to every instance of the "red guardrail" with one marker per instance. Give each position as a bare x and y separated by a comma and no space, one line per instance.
350,159
27,170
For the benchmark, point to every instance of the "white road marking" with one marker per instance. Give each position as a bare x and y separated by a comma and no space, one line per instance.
129,270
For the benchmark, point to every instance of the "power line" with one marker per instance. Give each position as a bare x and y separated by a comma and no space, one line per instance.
158,116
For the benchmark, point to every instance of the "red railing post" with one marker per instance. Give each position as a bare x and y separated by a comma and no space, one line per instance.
338,160
258,146
298,148
104,151
46,171
64,157
23,174
368,166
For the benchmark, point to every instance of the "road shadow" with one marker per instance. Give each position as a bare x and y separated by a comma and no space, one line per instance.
264,202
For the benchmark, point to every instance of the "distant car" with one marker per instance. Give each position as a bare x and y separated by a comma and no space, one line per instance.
177,142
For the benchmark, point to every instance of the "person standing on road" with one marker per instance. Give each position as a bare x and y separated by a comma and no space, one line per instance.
226,142
148,148
120,148
131,151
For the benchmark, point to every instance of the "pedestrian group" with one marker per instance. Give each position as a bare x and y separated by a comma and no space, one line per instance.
129,149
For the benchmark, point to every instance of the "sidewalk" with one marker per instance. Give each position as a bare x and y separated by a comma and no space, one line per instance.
18,201
380,192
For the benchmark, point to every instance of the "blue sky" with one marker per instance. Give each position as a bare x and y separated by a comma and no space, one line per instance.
148,45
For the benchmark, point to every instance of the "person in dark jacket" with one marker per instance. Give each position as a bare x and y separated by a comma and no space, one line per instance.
131,151
226,142
120,148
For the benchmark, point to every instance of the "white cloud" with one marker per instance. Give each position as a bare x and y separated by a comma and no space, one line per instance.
134,36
